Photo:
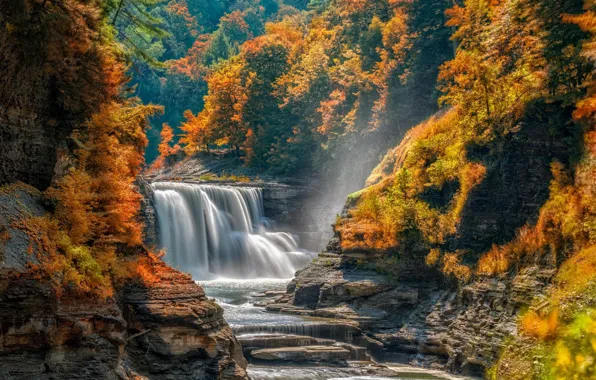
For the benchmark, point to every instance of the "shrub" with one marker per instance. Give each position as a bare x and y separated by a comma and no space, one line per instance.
536,326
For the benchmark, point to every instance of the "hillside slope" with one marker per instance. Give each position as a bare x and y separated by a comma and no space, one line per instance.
484,215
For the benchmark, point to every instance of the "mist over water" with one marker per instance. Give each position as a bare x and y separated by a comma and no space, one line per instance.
214,231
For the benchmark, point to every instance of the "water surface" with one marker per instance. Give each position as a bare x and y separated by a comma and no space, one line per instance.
237,297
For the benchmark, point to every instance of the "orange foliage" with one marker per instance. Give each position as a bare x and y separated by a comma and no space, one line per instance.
97,197
235,26
536,326
365,234
224,104
69,268
196,133
97,204
498,260
192,65
165,148
433,257
586,108
180,8
452,266
290,32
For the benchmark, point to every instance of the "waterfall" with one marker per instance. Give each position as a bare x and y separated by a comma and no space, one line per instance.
216,231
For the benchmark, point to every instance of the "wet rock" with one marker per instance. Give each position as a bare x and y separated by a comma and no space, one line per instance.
418,322
303,354
337,330
307,295
177,332
278,341
356,352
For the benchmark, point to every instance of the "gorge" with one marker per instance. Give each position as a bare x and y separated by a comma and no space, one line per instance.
297,189
219,234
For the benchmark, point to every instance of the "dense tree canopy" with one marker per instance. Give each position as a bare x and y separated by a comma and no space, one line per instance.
285,87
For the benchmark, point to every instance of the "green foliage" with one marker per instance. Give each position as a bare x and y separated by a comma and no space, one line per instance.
174,68
347,70
138,27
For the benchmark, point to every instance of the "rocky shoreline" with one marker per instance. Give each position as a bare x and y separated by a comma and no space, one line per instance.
429,323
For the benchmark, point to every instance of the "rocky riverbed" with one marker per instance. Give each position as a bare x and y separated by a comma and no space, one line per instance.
424,323
285,345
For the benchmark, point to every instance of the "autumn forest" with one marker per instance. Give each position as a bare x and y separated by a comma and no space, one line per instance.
187,187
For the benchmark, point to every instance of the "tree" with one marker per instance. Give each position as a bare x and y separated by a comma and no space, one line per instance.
225,104
499,64
196,133
266,60
166,149
137,27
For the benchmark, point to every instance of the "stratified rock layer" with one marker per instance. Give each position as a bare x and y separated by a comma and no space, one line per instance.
419,322
418,314
303,354
165,329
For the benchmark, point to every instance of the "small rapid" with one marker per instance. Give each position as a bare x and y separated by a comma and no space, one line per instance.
250,322
214,231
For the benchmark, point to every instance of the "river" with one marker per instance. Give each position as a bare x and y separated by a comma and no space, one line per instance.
220,235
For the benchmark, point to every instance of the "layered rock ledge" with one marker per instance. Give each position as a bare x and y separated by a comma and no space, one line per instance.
166,329
418,318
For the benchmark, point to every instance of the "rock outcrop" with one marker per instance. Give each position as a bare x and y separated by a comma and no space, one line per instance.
427,323
303,354
165,329
416,313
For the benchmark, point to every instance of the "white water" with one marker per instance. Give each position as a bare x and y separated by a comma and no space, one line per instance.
214,231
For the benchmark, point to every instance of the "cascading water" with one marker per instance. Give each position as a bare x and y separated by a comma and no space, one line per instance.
219,231
219,235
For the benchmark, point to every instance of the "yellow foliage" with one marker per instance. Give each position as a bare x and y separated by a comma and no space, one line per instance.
536,326
529,241
575,276
452,266
70,268
433,257
431,156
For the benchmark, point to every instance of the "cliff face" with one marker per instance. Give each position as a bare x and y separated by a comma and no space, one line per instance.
48,73
418,320
159,330
28,134
413,311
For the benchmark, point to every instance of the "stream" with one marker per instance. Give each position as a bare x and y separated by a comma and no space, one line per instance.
237,298
220,235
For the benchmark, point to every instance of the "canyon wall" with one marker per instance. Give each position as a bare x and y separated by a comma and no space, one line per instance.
414,312
162,329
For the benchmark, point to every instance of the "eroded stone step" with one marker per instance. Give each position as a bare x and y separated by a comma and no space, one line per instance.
340,332
256,341
357,353
328,330
327,354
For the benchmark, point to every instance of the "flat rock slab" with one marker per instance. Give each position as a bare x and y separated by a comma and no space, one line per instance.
303,354
281,341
